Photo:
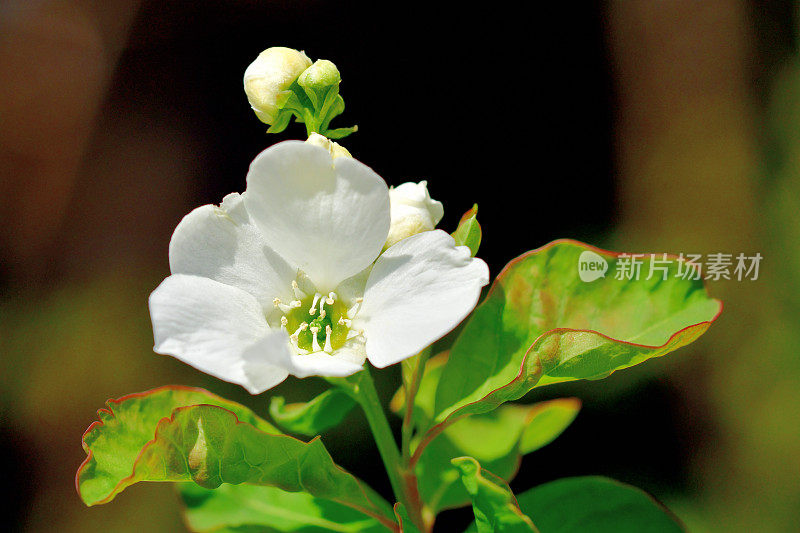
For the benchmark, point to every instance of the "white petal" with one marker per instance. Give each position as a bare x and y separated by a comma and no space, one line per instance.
353,287
262,366
222,243
418,290
321,364
216,328
328,217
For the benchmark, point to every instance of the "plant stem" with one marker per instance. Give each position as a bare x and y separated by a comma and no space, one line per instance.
411,393
361,387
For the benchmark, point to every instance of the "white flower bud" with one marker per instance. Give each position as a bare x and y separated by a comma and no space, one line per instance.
273,71
412,211
334,148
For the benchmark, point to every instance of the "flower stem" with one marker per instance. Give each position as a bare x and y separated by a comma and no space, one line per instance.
411,392
362,389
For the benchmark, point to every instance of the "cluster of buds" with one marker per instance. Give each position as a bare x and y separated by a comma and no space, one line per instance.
283,83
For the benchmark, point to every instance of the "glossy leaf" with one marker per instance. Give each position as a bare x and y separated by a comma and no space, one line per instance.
597,504
507,434
209,445
496,509
232,508
115,441
468,233
314,417
541,324
498,440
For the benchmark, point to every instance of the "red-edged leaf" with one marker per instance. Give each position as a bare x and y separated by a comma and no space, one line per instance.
541,324
151,437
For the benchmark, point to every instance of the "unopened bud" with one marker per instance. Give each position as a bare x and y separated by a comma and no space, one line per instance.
273,71
319,76
412,211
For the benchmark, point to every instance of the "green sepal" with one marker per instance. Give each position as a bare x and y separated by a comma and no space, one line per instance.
281,121
468,233
313,417
495,507
339,133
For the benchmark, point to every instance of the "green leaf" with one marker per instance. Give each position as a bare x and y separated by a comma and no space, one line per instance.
506,434
497,439
312,418
114,442
597,504
541,324
232,508
468,233
403,520
496,509
143,437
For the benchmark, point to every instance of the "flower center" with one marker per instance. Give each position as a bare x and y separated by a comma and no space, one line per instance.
316,322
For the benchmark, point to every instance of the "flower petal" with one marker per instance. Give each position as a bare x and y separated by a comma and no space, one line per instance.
327,217
418,290
217,328
321,364
223,244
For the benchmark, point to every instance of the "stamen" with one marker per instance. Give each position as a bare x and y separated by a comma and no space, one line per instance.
322,312
302,327
314,342
313,309
284,322
285,308
298,293
327,347
331,298
345,322
353,311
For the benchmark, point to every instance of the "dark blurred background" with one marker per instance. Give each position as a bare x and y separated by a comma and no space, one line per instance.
636,125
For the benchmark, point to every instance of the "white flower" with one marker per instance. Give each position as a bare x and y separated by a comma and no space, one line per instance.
412,210
280,279
273,71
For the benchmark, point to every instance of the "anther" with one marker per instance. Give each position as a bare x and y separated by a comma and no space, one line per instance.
344,322
284,322
286,308
314,342
313,309
280,305
328,332
331,298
